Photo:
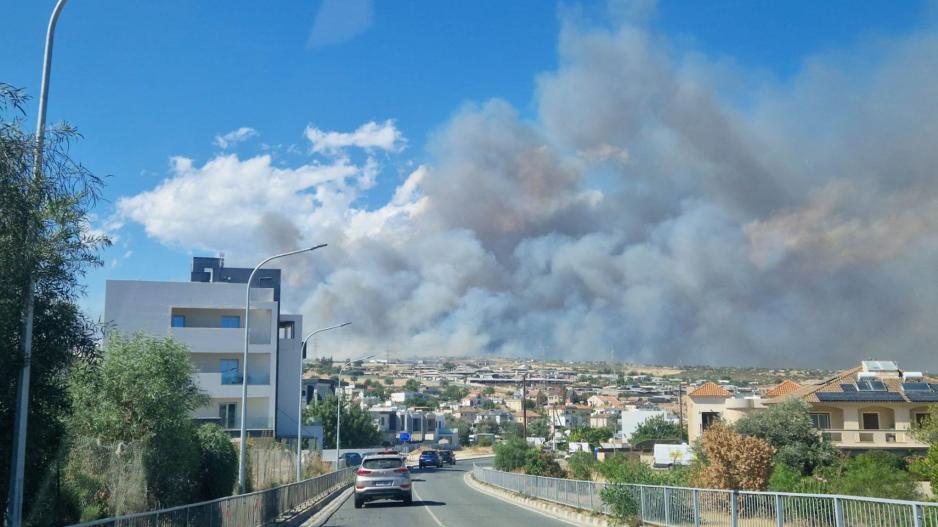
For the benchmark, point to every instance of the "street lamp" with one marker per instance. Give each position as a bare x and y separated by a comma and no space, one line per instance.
338,414
299,412
18,463
244,376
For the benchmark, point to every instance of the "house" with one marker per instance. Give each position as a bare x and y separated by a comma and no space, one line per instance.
631,418
871,406
514,405
402,397
316,389
603,418
497,416
472,400
604,401
207,315
711,403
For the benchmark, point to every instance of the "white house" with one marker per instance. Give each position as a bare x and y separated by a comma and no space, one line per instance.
207,315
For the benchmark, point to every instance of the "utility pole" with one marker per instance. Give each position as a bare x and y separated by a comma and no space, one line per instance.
524,405
680,406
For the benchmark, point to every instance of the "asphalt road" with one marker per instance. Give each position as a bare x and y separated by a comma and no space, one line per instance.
441,499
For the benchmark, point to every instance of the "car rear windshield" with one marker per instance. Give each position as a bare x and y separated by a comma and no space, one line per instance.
380,464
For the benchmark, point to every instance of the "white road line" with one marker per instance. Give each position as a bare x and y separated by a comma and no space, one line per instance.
466,477
427,507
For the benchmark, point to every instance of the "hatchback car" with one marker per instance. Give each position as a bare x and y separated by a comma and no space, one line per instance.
448,457
431,458
382,477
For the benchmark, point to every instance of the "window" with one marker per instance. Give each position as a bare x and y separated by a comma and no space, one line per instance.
287,330
919,418
229,371
709,419
179,321
383,463
821,421
227,412
230,321
871,421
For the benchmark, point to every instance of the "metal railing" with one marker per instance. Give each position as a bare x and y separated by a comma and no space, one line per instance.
685,507
246,510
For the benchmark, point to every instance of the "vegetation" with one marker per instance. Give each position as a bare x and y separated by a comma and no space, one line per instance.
788,428
538,428
734,461
218,463
43,235
593,436
657,428
511,454
358,429
581,466
412,385
927,432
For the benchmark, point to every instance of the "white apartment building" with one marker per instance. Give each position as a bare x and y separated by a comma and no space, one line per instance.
206,314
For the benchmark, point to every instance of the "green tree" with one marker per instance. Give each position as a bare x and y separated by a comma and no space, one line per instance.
218,463
412,385
488,390
657,428
464,429
43,235
453,393
788,428
540,463
142,393
593,436
581,465
358,427
538,428
511,429
511,454
876,474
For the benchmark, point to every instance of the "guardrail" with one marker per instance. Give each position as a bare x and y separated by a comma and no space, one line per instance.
685,507
245,510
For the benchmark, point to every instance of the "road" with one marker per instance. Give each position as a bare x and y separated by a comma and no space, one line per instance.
441,499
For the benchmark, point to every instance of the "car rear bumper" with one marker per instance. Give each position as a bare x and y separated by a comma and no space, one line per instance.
377,493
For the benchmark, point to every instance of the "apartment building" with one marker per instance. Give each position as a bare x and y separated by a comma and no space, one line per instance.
420,425
207,315
870,407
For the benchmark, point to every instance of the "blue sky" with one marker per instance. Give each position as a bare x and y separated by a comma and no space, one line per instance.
147,81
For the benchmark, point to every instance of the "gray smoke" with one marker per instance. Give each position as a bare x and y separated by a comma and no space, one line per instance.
663,207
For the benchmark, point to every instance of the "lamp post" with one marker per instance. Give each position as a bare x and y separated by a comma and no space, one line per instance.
338,414
299,412
244,376
18,462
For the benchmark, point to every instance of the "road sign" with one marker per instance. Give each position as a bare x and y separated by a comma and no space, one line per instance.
405,437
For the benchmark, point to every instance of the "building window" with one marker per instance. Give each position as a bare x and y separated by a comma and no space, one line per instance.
287,330
871,421
821,421
228,413
179,321
229,371
709,419
919,418
230,321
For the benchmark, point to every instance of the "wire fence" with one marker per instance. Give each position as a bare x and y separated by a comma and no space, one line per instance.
245,510
686,507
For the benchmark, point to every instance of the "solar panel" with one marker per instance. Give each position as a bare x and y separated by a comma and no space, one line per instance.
923,397
916,386
867,396
848,387
871,385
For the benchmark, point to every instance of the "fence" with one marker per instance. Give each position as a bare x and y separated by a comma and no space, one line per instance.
245,510
686,507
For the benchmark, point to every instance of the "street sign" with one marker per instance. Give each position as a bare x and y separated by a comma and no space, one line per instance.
405,437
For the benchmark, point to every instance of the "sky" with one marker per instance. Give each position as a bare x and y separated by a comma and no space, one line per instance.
736,182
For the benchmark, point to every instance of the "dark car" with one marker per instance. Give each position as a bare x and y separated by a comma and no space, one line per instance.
352,459
431,458
448,457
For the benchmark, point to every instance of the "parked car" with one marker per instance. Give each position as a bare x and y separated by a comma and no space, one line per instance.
382,477
431,458
448,457
352,459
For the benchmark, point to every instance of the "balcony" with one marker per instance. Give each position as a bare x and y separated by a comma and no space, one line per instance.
222,340
221,386
871,438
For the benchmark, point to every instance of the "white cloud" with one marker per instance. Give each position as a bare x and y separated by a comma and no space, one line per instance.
234,137
384,136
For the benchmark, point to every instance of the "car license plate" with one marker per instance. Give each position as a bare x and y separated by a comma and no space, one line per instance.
383,483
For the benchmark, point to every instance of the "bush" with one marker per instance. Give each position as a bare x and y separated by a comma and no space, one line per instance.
581,465
511,454
734,461
218,463
622,503
927,467
788,428
542,464
875,474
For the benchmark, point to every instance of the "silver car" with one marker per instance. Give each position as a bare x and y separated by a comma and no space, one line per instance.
382,477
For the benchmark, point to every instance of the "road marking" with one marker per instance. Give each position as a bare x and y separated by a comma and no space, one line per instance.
427,507
480,490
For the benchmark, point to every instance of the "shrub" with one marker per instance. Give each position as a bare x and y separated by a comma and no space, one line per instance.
876,474
581,465
543,464
218,463
734,461
624,469
788,428
622,503
511,454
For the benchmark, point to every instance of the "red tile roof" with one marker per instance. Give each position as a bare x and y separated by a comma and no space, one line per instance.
710,389
784,388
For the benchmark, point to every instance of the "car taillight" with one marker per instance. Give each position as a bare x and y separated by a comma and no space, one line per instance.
402,470
405,485
363,472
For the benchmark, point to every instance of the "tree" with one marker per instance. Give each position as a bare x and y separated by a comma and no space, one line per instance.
542,464
43,235
657,428
538,428
927,432
464,429
593,436
876,474
218,463
358,427
412,385
581,465
734,461
488,390
788,428
511,454
453,393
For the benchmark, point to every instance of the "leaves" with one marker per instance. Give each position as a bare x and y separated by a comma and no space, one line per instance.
734,461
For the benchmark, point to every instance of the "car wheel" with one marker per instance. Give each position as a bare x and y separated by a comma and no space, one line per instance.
359,502
408,498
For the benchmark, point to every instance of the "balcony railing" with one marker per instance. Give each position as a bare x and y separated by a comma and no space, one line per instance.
879,438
